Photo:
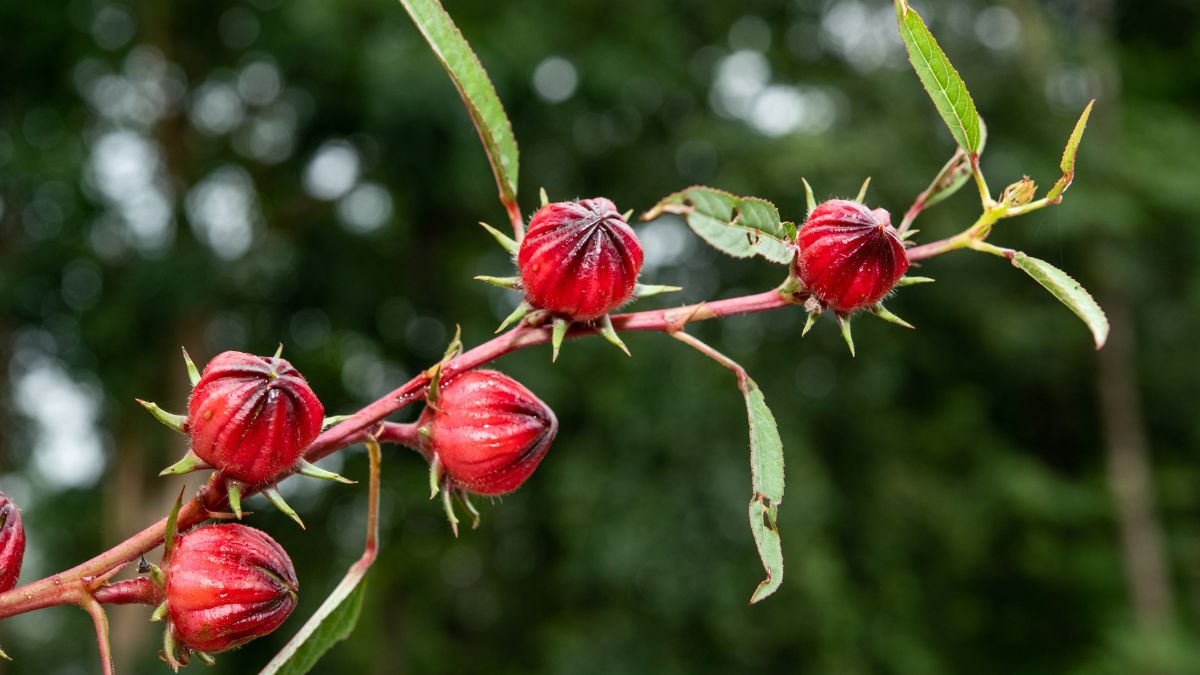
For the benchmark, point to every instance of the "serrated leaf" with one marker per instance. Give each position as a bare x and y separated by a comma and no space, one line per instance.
1067,164
766,472
332,623
943,84
737,226
476,89
770,549
1069,292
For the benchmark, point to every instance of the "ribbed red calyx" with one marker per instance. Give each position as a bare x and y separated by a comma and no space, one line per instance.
489,431
251,417
850,256
579,259
226,585
12,543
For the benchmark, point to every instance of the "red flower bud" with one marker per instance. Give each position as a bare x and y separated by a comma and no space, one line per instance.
489,431
850,256
579,259
251,417
227,585
12,543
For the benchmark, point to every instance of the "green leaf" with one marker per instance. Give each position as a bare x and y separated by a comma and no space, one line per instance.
766,472
476,89
1069,292
941,81
1067,164
332,623
737,226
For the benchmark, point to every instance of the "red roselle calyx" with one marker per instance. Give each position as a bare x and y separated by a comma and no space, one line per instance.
250,417
12,543
579,259
487,432
226,585
849,256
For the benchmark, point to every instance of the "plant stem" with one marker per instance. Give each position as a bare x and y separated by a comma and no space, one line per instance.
100,620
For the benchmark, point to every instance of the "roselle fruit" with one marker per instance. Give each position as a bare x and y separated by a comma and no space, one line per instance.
12,543
849,256
579,260
488,431
250,417
227,585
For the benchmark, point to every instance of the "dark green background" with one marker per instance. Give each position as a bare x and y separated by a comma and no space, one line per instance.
949,506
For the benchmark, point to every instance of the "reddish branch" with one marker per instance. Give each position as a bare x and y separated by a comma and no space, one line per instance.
86,580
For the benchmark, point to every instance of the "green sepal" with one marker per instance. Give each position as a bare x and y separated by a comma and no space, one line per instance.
511,283
545,200
160,612
157,576
205,658
435,371
4,656
912,281
278,351
475,517
882,312
171,420
506,242
192,371
844,324
276,499
307,468
609,333
650,290
517,314
334,419
627,215
809,200
909,234
808,324
190,462
556,337
169,650
172,527
435,475
862,191
233,490
448,507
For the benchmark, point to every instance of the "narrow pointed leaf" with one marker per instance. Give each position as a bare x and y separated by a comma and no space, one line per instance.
809,200
193,373
311,470
511,283
273,496
610,334
171,420
862,191
943,84
476,89
517,314
886,314
808,324
1068,158
844,325
1069,292
650,290
556,337
506,242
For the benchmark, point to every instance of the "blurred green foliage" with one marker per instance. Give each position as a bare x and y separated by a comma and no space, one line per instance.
229,175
